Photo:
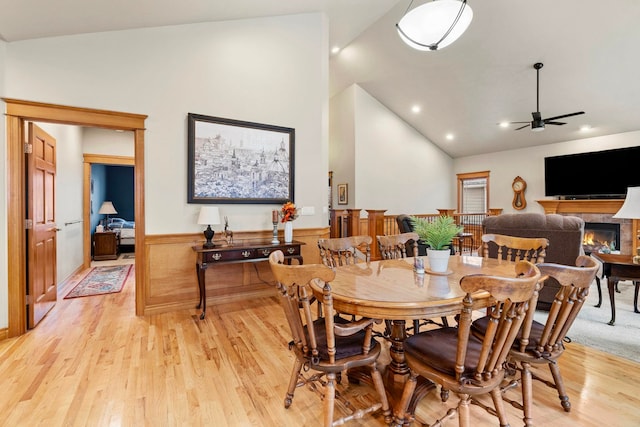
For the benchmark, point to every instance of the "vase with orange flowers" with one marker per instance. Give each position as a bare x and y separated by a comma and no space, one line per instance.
288,213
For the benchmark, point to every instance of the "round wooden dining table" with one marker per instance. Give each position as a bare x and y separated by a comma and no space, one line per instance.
392,290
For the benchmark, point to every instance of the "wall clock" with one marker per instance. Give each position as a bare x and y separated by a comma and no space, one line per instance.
518,185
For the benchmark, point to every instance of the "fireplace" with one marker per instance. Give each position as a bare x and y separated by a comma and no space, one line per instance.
599,235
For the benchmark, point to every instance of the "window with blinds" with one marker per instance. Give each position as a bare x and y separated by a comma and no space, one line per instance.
473,192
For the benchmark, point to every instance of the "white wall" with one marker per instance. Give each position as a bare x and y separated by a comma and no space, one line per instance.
391,166
270,70
68,201
529,164
342,148
107,142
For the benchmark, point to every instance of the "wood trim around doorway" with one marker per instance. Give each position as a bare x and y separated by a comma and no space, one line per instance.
88,160
18,112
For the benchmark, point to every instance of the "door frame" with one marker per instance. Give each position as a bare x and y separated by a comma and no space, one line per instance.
88,160
18,112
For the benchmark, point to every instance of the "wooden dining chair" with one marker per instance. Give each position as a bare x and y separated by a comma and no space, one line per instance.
461,362
394,246
543,343
327,345
513,248
339,251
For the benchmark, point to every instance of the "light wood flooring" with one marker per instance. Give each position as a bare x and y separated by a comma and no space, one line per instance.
92,362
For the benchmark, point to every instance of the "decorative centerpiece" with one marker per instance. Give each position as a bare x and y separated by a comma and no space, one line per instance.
437,234
288,213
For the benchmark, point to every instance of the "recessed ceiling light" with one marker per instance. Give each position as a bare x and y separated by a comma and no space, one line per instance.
504,124
335,50
585,128
416,109
450,136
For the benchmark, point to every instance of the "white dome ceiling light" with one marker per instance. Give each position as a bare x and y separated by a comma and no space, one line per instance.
434,25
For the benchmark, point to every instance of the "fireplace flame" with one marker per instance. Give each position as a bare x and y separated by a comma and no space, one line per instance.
588,238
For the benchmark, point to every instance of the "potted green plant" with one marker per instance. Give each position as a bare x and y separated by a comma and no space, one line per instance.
437,234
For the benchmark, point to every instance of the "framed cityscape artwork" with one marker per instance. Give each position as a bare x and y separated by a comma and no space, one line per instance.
231,161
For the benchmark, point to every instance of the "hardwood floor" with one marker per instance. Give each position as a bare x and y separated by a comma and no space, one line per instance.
92,362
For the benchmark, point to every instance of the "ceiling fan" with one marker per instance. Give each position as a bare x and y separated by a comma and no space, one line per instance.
538,123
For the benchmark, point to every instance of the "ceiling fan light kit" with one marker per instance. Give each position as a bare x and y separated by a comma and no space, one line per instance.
435,24
538,123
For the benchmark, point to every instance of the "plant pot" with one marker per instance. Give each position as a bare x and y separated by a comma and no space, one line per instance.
438,259
288,232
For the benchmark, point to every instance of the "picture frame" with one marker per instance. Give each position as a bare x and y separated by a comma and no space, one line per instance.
234,161
343,194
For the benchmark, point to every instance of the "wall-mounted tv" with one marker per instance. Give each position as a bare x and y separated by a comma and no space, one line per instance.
598,174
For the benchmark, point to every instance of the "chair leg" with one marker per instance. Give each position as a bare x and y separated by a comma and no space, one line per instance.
496,396
407,393
599,292
387,328
527,393
635,297
379,386
562,393
463,411
329,399
293,382
416,326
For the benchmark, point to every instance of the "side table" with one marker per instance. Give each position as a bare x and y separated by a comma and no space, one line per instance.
106,245
617,267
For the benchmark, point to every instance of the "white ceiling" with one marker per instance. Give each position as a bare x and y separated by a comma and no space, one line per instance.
589,49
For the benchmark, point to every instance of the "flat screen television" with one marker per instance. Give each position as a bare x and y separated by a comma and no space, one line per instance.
598,174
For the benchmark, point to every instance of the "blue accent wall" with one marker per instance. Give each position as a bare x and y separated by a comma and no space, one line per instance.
114,183
120,190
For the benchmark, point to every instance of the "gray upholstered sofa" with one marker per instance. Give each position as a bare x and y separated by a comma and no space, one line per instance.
565,235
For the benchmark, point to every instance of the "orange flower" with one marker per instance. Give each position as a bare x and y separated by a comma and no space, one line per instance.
289,212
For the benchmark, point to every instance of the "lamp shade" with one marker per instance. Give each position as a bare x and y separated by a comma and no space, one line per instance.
209,215
107,208
631,207
435,25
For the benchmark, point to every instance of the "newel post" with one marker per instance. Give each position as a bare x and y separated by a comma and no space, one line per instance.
354,222
376,228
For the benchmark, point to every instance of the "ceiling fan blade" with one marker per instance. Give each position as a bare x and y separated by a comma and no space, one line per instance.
563,116
554,123
516,123
522,127
536,116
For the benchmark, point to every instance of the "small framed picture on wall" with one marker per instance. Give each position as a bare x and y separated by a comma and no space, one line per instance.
343,194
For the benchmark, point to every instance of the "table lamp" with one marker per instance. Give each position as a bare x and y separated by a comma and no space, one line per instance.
209,215
108,209
631,210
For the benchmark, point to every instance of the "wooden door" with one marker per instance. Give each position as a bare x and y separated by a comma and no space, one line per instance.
41,224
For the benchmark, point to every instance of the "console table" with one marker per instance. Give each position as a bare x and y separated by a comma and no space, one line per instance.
615,268
238,252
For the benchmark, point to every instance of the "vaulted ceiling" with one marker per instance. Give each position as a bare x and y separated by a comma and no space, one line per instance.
588,47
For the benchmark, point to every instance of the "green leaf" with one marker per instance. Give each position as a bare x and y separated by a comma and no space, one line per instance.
437,232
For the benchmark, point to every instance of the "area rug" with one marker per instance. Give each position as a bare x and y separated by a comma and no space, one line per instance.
591,329
101,280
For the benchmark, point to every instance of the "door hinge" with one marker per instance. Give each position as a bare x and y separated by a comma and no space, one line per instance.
28,224
28,148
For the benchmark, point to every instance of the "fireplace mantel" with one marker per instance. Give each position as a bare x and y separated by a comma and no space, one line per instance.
607,206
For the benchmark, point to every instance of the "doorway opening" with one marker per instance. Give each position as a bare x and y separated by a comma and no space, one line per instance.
19,112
